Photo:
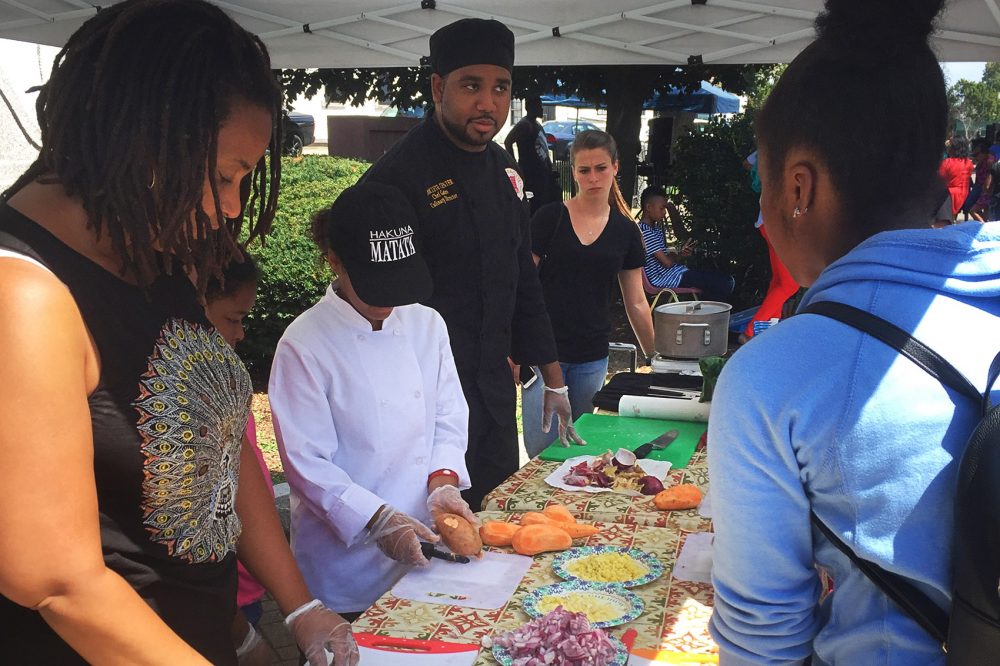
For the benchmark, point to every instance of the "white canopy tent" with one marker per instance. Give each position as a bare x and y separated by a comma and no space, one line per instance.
387,33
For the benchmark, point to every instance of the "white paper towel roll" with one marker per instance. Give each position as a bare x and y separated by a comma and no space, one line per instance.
663,408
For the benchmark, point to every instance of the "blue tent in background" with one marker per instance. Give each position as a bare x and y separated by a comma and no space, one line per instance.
709,99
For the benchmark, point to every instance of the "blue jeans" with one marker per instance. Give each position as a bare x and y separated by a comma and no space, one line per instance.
583,380
714,285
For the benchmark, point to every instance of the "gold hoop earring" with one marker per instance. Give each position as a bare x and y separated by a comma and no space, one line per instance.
152,181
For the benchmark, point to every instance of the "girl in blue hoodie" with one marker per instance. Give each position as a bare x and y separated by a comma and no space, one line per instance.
814,415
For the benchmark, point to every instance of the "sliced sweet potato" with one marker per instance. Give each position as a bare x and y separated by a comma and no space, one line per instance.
497,532
458,534
535,539
559,513
675,498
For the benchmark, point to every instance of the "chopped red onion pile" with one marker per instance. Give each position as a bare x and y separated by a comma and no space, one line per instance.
558,638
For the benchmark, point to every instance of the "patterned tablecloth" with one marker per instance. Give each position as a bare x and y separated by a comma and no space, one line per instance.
526,490
675,617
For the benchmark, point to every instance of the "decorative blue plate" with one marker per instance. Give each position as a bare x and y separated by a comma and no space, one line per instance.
628,603
563,559
621,654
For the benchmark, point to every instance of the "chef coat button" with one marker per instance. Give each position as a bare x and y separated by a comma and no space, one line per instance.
361,338
395,331
420,460
383,402
416,394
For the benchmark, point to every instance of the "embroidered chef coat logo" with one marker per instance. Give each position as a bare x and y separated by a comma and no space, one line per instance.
440,193
391,244
516,182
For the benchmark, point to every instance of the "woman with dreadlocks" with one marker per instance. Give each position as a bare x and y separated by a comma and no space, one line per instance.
121,432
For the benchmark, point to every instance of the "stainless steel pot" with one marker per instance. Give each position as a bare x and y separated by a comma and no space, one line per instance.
692,329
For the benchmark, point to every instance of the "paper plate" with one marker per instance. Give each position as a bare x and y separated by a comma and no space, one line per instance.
565,558
621,654
627,603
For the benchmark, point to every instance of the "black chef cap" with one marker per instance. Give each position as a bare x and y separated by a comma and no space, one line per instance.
472,41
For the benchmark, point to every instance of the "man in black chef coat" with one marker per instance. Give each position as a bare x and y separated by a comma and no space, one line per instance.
474,226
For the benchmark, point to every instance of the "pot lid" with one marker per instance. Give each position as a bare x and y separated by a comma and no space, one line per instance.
694,308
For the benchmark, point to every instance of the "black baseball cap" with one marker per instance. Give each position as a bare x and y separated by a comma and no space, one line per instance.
471,41
373,229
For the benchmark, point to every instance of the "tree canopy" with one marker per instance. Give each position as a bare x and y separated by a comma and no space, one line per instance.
976,104
622,88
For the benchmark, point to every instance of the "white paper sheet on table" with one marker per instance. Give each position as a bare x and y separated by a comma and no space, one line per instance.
695,560
487,583
657,468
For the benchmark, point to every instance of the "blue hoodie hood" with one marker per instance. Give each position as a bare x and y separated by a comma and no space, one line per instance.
961,260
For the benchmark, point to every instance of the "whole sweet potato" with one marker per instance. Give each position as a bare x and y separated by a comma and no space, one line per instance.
458,534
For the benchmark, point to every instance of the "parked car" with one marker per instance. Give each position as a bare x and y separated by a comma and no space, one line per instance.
560,133
300,131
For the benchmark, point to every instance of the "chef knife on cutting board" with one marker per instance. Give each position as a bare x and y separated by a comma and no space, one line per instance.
659,443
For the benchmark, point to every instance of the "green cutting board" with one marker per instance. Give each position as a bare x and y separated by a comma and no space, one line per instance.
604,432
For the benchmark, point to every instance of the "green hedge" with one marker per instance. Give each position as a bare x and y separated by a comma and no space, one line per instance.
718,206
293,276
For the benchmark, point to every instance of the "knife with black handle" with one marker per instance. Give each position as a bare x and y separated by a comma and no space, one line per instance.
430,551
657,444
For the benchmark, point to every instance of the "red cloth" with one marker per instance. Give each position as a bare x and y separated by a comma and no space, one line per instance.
781,288
956,172
248,589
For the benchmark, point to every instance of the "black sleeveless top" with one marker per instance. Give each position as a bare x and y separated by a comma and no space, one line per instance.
168,417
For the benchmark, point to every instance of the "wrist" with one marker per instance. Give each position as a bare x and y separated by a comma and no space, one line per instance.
561,390
301,610
441,477
374,518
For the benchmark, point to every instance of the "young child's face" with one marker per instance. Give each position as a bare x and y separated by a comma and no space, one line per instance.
373,313
656,208
227,313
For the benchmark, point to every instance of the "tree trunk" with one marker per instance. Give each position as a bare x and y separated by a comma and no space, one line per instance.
627,89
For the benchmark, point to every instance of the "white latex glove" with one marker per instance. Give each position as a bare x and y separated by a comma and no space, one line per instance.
399,536
447,499
556,401
317,629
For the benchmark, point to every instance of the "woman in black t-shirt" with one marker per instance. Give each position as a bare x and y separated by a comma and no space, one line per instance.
122,410
580,247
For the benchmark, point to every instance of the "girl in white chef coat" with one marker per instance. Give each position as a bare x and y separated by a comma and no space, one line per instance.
368,410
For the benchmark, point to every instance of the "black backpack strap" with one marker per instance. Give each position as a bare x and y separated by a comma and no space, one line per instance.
901,341
908,597
991,379
911,600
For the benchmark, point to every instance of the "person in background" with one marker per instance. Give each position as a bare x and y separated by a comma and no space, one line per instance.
470,200
956,172
979,210
782,286
228,300
117,391
816,416
663,265
581,248
533,155
368,410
